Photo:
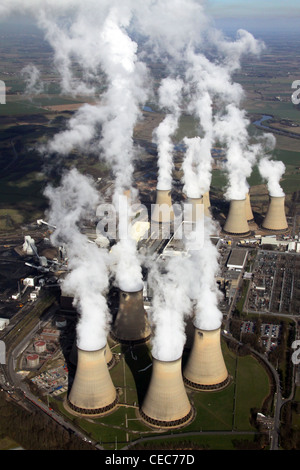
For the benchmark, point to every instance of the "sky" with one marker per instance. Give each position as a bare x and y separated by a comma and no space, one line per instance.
254,8
256,14
253,15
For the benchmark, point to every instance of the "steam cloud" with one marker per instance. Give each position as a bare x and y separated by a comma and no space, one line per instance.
170,307
97,36
272,171
87,279
169,97
203,268
32,78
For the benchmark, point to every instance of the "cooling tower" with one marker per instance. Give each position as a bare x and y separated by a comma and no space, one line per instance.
73,356
162,212
236,222
196,209
206,201
275,220
131,323
205,368
92,392
249,213
166,404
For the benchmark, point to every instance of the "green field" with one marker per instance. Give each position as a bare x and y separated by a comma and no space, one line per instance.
216,412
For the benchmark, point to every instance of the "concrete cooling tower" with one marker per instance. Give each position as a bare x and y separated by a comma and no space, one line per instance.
131,323
206,202
110,360
92,392
249,213
162,212
205,368
236,222
275,219
197,210
166,404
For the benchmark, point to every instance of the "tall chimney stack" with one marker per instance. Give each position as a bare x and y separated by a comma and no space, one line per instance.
236,222
205,368
166,404
92,392
131,323
275,219
163,210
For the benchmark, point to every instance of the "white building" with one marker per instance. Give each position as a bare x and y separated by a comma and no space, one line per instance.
3,323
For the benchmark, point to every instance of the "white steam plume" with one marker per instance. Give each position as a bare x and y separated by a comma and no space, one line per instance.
32,78
210,84
126,266
96,38
169,98
203,269
87,278
170,306
95,34
231,130
272,172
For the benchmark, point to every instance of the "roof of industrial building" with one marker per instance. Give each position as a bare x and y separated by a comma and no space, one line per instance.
237,258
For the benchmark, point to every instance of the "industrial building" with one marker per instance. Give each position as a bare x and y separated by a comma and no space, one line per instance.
237,259
4,322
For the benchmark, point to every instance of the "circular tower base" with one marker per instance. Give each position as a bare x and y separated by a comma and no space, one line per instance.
91,412
159,424
271,230
111,363
207,388
244,234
